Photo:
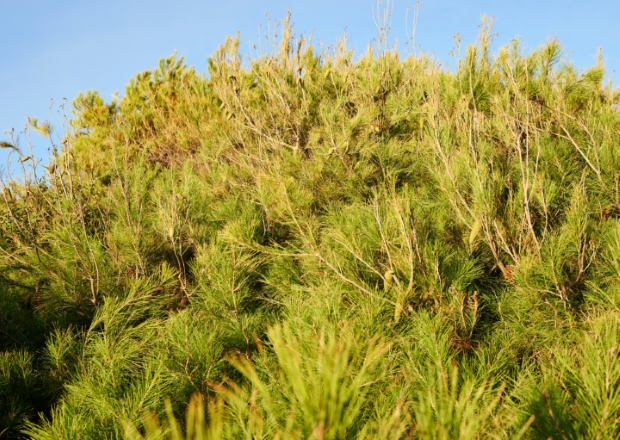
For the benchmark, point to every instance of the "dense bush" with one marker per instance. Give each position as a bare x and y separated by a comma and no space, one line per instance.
314,246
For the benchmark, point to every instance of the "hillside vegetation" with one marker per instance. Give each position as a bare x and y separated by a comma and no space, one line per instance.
320,245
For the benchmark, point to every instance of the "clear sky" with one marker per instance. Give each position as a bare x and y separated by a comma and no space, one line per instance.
53,49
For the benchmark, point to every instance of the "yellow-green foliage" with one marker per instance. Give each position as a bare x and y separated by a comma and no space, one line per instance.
321,246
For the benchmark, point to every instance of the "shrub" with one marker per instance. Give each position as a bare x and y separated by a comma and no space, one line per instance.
314,245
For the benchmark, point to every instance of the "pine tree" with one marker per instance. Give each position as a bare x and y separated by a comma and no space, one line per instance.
318,245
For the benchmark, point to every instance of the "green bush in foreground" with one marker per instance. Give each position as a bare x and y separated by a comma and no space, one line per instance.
309,246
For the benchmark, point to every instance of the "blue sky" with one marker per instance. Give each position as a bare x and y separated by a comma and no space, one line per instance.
55,49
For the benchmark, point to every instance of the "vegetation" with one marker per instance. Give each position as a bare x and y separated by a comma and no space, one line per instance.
308,245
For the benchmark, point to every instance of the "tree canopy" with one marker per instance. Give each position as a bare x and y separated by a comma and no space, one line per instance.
314,245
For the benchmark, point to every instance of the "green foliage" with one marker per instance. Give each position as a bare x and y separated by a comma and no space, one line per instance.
17,385
305,245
